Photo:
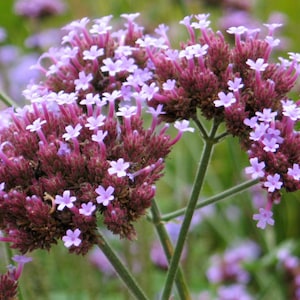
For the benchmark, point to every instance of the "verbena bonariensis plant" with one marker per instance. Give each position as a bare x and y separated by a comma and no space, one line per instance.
88,149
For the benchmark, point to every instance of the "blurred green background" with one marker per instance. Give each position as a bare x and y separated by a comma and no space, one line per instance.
58,275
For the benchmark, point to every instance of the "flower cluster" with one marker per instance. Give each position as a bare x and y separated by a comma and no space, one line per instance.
228,271
291,267
39,8
240,86
9,280
82,153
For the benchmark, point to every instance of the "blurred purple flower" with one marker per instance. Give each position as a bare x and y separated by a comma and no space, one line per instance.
44,39
99,260
234,291
2,34
235,18
229,266
157,254
39,8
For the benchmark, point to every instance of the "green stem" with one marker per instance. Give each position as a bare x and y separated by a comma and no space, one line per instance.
182,6
200,127
120,268
223,195
7,100
208,149
168,250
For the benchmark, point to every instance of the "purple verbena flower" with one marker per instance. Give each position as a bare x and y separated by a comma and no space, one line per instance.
264,217
118,167
105,195
72,238
256,169
66,200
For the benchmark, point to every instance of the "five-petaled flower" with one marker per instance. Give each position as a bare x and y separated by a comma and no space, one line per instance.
87,209
66,200
273,183
264,217
256,169
118,167
72,238
105,195
36,125
72,132
225,100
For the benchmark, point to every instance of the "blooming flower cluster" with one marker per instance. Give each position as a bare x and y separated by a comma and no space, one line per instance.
291,266
228,271
9,280
81,153
240,86
39,8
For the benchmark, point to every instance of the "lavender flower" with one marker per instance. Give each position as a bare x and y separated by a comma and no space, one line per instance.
81,149
39,8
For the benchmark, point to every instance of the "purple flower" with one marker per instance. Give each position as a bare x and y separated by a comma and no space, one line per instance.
99,260
95,122
148,91
82,83
65,200
63,149
224,100
235,85
39,8
72,238
118,167
112,67
273,183
252,122
99,136
259,131
264,217
93,53
183,126
233,291
169,85
72,132
90,99
267,115
257,65
294,172
270,145
239,30
87,209
291,110
256,169
127,111
36,125
21,260
105,195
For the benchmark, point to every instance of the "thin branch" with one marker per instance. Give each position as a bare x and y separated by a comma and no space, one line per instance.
120,268
168,250
223,195
200,127
203,165
7,100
